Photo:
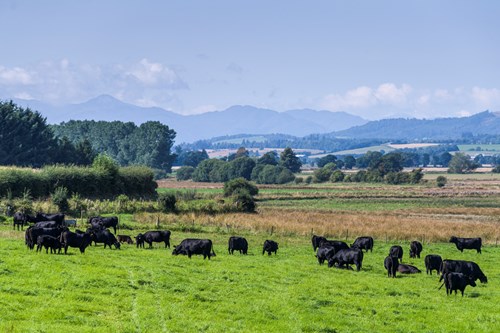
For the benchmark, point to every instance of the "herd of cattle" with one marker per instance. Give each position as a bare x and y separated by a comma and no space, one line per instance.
51,231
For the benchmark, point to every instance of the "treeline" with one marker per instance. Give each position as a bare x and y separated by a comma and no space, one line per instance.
149,144
104,179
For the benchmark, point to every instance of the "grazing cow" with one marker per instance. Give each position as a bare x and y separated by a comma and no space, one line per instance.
325,252
347,257
125,239
316,241
408,269
104,236
396,251
337,245
157,236
415,249
139,240
192,246
270,246
238,244
391,265
19,219
467,243
59,218
432,261
457,281
71,239
32,234
48,241
469,268
365,243
106,222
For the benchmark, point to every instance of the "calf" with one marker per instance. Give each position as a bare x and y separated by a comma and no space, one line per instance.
469,268
19,219
467,243
71,239
316,241
192,246
396,251
432,262
408,269
415,249
48,241
238,244
270,246
337,245
32,234
391,265
457,281
365,243
347,257
325,252
125,239
139,240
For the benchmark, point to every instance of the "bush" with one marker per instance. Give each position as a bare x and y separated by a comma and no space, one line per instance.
441,181
299,180
244,201
166,202
496,169
238,184
322,175
337,176
60,199
309,179
184,173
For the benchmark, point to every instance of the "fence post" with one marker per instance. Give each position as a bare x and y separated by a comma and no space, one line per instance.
347,234
272,230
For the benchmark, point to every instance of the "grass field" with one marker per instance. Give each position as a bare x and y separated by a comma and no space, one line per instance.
137,290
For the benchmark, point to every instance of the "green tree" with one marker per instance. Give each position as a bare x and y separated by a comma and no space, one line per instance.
241,167
496,169
238,184
60,199
325,160
193,158
461,163
289,160
271,158
441,181
349,162
184,173
205,168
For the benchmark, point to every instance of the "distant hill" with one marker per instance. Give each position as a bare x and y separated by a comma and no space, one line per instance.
234,120
417,129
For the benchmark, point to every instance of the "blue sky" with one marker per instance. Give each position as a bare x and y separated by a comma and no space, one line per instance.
375,59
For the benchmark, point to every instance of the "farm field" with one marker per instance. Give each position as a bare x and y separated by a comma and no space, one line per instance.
143,290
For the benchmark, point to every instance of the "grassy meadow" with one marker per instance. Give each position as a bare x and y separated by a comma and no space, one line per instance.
149,290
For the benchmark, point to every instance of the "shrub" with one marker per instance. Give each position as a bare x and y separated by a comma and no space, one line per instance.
337,176
322,175
237,184
166,202
496,169
299,180
441,181
244,201
309,179
184,173
60,199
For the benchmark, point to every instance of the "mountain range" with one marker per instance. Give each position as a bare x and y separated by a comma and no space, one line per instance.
234,120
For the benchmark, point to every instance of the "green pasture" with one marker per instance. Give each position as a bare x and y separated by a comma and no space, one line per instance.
143,290
481,148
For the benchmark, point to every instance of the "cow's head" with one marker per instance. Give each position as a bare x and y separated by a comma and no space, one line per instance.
117,245
472,281
453,239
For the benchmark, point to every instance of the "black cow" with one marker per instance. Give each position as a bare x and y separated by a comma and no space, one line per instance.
347,257
270,246
19,219
238,244
457,281
104,236
396,251
408,269
106,222
316,241
125,239
469,268
59,218
47,224
467,243
432,261
415,249
391,265
157,236
139,240
71,239
325,252
365,243
32,234
337,245
48,241
192,246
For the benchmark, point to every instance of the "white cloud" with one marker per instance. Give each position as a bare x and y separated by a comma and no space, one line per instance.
151,73
16,75
389,93
486,98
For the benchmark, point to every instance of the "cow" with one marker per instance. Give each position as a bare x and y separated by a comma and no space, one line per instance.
365,243
467,243
106,222
71,239
238,244
157,236
104,236
48,241
391,265
337,245
192,246
469,268
457,281
47,224
347,257
415,249
139,240
125,239
325,252
19,219
396,251
432,262
59,218
32,234
316,241
270,246
408,269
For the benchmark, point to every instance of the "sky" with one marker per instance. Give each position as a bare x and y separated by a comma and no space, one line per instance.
374,59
